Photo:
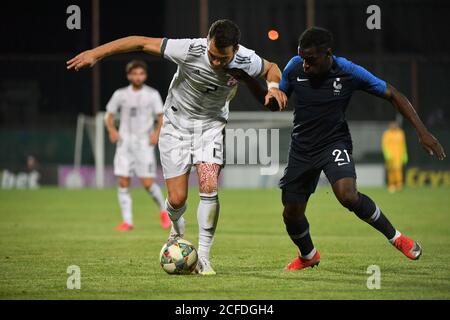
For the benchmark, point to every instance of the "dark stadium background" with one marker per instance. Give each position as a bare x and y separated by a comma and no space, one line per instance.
40,100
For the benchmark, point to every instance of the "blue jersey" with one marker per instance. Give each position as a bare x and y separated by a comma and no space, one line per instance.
320,104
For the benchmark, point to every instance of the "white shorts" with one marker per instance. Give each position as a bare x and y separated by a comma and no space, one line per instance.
136,157
180,149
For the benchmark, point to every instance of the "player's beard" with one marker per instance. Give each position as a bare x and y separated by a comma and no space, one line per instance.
137,85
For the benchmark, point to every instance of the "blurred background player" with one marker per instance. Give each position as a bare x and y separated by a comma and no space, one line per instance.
321,141
395,155
141,112
195,115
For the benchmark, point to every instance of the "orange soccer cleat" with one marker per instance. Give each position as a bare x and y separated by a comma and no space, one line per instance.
164,219
124,227
302,263
408,247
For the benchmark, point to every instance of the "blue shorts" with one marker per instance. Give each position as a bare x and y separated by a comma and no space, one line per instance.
303,170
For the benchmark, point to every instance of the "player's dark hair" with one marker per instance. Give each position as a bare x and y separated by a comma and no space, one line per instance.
225,33
315,37
135,64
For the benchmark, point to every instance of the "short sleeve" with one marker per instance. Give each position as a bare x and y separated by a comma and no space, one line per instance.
248,61
175,50
367,82
285,84
114,103
157,103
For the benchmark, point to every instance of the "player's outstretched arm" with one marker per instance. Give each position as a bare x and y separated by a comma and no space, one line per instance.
89,58
272,74
258,91
402,104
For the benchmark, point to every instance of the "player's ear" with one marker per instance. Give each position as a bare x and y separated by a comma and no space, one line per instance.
329,52
235,48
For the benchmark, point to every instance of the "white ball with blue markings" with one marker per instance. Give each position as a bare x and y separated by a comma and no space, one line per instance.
178,257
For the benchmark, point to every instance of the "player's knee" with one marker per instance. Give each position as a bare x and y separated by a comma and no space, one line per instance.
147,184
124,182
208,187
177,199
348,198
293,212
208,175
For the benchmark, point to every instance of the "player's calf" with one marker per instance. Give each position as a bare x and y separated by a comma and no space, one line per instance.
367,210
207,217
207,213
297,225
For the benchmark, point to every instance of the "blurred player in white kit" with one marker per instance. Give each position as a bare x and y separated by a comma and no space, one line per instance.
195,114
141,111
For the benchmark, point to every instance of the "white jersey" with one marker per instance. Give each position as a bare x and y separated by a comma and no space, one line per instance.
197,92
138,111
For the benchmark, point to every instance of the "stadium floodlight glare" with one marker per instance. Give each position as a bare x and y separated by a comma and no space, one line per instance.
273,35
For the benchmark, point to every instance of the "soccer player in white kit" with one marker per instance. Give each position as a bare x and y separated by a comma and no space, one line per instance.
195,114
140,107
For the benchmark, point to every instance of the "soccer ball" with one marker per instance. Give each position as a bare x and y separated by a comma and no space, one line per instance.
178,257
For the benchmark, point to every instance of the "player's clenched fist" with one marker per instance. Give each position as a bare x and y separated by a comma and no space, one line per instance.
83,60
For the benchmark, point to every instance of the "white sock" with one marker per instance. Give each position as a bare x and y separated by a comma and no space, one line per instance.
155,192
176,215
207,216
125,203
397,235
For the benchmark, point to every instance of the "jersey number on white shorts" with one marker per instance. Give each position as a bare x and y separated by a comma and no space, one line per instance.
218,151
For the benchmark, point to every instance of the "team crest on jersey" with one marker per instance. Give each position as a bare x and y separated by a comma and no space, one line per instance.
231,81
337,85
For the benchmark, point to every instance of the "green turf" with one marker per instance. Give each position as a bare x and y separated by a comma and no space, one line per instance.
43,232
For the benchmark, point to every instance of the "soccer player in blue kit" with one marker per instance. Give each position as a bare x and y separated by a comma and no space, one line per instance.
323,85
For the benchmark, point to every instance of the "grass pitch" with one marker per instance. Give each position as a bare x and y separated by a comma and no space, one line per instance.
43,232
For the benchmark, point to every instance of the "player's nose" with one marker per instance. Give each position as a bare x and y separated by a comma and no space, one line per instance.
305,66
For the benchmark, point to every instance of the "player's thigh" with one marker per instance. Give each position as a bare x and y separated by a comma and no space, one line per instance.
297,185
208,176
299,179
210,145
296,193
175,150
337,162
294,210
177,190
339,167
346,191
